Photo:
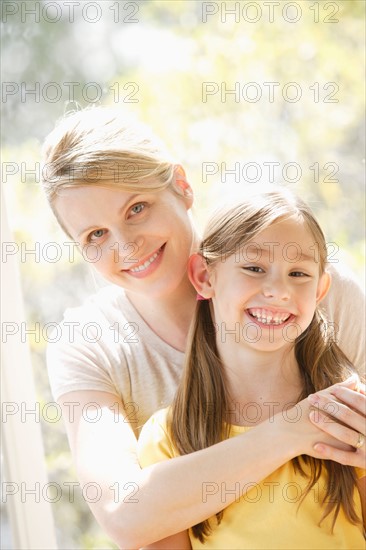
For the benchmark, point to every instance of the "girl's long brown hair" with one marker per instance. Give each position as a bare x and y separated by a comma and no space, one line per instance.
198,416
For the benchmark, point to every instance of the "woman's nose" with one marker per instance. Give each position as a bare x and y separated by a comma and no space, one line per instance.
127,248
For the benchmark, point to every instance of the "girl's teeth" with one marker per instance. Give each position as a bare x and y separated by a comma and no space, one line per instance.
268,318
146,264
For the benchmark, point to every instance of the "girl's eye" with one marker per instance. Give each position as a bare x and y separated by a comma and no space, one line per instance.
298,274
254,269
97,234
137,208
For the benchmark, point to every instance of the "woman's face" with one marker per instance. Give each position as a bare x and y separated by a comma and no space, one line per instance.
142,241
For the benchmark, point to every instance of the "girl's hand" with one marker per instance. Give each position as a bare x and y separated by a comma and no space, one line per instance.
340,411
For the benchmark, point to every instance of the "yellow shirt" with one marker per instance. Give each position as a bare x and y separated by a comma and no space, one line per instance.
266,515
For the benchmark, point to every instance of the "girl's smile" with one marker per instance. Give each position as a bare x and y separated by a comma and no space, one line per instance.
273,298
269,317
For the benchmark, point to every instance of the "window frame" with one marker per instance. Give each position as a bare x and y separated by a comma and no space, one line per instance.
30,515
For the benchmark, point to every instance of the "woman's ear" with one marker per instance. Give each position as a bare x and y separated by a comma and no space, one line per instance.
182,184
199,275
323,286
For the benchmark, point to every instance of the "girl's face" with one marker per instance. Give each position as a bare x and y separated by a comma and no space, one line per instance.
141,241
265,295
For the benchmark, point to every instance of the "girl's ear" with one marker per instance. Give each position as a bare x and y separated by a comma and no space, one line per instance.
323,286
182,184
199,275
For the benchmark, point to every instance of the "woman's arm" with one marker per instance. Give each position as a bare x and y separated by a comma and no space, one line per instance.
180,541
341,412
185,490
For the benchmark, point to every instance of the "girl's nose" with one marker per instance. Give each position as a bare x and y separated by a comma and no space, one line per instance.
276,289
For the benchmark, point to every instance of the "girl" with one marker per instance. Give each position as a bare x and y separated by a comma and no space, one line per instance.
259,344
115,191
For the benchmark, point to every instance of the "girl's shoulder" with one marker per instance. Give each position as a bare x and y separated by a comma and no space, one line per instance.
154,443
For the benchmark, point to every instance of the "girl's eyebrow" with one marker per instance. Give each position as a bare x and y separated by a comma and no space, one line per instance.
119,211
308,258
269,251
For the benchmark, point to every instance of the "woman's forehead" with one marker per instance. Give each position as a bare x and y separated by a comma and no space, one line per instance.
83,206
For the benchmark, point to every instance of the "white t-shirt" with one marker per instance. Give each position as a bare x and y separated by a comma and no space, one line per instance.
105,345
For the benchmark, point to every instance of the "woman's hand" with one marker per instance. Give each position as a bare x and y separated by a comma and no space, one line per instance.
340,411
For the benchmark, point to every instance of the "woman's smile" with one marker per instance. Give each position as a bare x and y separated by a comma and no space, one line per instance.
147,265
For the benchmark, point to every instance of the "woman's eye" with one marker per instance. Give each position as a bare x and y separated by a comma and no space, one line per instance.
137,208
96,234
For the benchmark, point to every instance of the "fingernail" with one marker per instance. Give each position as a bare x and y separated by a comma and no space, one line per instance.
318,447
312,398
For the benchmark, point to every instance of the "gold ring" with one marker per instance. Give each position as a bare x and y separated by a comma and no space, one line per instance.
360,441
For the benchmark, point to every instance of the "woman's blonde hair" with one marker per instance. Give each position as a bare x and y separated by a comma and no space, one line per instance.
102,146
198,415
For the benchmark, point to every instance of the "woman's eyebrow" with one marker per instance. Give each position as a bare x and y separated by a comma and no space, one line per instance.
119,211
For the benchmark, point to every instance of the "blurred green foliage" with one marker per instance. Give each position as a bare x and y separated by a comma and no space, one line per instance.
163,62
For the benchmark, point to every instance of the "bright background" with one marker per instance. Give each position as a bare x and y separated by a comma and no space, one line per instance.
155,58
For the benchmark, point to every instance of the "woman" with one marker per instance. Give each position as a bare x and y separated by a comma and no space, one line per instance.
115,190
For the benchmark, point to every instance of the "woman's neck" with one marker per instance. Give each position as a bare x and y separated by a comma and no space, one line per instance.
168,316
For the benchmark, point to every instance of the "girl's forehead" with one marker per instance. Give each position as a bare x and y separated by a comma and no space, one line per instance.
290,239
286,228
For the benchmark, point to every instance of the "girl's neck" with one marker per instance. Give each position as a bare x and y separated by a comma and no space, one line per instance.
168,316
261,384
